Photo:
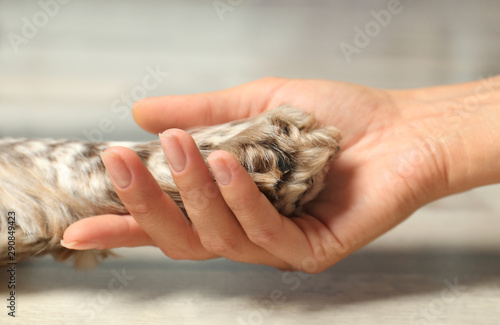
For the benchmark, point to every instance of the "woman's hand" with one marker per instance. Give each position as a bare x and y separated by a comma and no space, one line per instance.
397,154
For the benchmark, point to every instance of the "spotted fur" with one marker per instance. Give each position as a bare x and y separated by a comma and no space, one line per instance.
51,183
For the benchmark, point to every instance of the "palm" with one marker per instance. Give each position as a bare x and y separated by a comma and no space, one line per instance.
370,187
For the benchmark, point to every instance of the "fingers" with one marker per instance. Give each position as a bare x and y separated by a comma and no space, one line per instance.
196,186
157,114
218,229
105,231
232,218
153,210
262,223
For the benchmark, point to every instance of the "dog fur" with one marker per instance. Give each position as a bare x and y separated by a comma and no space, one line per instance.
51,183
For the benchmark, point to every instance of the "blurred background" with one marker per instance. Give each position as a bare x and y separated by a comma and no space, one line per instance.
73,69
67,65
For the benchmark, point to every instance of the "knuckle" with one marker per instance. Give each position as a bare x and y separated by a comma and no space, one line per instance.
316,270
186,251
263,237
194,198
239,204
198,200
221,246
175,255
148,215
140,208
314,265
242,205
211,191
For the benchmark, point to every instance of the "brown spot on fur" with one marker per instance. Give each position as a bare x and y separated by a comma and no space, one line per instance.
204,146
269,193
112,196
282,125
144,155
91,150
145,150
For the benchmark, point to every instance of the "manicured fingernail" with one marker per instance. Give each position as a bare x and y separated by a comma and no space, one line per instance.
220,170
79,245
117,169
173,151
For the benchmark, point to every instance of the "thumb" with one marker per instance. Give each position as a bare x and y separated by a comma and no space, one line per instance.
156,114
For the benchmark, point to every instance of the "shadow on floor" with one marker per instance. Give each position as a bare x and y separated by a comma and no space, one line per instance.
364,276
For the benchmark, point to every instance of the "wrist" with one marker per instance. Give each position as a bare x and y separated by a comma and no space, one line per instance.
460,127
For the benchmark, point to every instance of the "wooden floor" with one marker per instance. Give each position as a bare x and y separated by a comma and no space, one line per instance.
60,77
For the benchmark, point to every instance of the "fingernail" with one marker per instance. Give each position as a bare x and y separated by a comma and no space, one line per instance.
117,169
173,151
220,170
79,245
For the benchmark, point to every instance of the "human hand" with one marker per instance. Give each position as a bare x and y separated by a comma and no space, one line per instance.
391,164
